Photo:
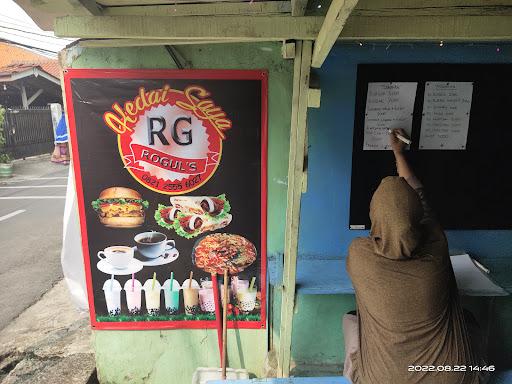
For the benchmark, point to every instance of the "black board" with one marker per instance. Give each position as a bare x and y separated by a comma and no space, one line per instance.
469,189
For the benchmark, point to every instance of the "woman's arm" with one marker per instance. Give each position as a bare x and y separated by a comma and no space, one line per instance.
404,170
402,166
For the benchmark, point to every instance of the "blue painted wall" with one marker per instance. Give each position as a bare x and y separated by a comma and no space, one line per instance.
324,229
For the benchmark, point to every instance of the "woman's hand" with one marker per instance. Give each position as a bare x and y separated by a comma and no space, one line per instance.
397,145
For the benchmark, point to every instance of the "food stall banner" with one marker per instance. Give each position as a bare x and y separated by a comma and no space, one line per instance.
171,180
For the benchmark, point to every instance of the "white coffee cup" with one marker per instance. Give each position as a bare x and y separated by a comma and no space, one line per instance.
153,244
118,256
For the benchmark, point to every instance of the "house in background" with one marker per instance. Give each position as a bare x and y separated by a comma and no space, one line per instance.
30,91
28,79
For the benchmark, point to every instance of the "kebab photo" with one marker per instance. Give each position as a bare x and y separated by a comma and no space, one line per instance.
191,216
120,207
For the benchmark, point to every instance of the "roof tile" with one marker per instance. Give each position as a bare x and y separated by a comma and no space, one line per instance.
15,59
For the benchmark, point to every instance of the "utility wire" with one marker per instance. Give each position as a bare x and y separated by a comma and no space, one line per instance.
31,33
34,28
31,38
47,51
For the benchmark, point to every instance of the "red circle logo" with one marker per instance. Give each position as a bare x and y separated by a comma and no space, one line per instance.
170,140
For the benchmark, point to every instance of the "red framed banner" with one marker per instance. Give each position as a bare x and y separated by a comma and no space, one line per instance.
171,180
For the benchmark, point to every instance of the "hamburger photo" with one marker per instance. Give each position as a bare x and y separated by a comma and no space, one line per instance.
120,207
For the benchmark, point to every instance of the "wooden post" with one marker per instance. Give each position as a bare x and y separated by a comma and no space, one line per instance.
302,68
34,96
24,100
225,300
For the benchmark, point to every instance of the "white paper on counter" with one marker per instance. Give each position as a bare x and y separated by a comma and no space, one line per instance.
471,280
446,113
388,106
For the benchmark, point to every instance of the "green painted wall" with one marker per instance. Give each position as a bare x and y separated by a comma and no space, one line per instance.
171,356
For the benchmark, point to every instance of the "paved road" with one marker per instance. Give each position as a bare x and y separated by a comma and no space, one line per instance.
31,210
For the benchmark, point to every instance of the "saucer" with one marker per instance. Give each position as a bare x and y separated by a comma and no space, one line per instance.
169,256
134,266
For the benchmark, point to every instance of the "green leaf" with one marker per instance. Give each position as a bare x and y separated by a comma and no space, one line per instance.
96,204
159,219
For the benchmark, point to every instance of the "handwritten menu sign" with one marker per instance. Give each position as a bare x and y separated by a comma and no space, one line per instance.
170,171
446,112
388,106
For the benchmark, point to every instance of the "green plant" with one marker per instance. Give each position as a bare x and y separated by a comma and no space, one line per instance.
4,156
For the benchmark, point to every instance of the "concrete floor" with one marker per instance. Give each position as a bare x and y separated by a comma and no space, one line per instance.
48,343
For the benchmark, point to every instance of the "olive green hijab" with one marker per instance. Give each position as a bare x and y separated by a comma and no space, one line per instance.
408,307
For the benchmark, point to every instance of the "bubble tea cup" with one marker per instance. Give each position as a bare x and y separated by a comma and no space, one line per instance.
112,291
172,298
191,300
133,291
246,299
206,300
152,295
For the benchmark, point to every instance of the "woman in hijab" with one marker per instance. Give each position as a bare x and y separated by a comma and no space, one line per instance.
410,326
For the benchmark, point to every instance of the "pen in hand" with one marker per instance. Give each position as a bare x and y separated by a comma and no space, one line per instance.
401,138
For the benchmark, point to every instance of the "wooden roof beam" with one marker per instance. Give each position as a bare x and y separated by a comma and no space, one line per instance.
433,8
267,28
335,19
113,43
427,28
261,8
89,5
299,7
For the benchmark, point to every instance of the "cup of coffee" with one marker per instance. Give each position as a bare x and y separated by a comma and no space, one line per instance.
118,256
153,244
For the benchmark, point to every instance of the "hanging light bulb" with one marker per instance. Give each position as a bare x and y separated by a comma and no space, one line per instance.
441,43
5,87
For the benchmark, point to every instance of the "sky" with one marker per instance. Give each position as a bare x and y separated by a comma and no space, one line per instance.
17,26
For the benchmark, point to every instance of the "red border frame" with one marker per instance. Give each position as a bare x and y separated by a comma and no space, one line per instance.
171,74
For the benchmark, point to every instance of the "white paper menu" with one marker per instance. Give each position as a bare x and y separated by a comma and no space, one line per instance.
388,106
446,112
